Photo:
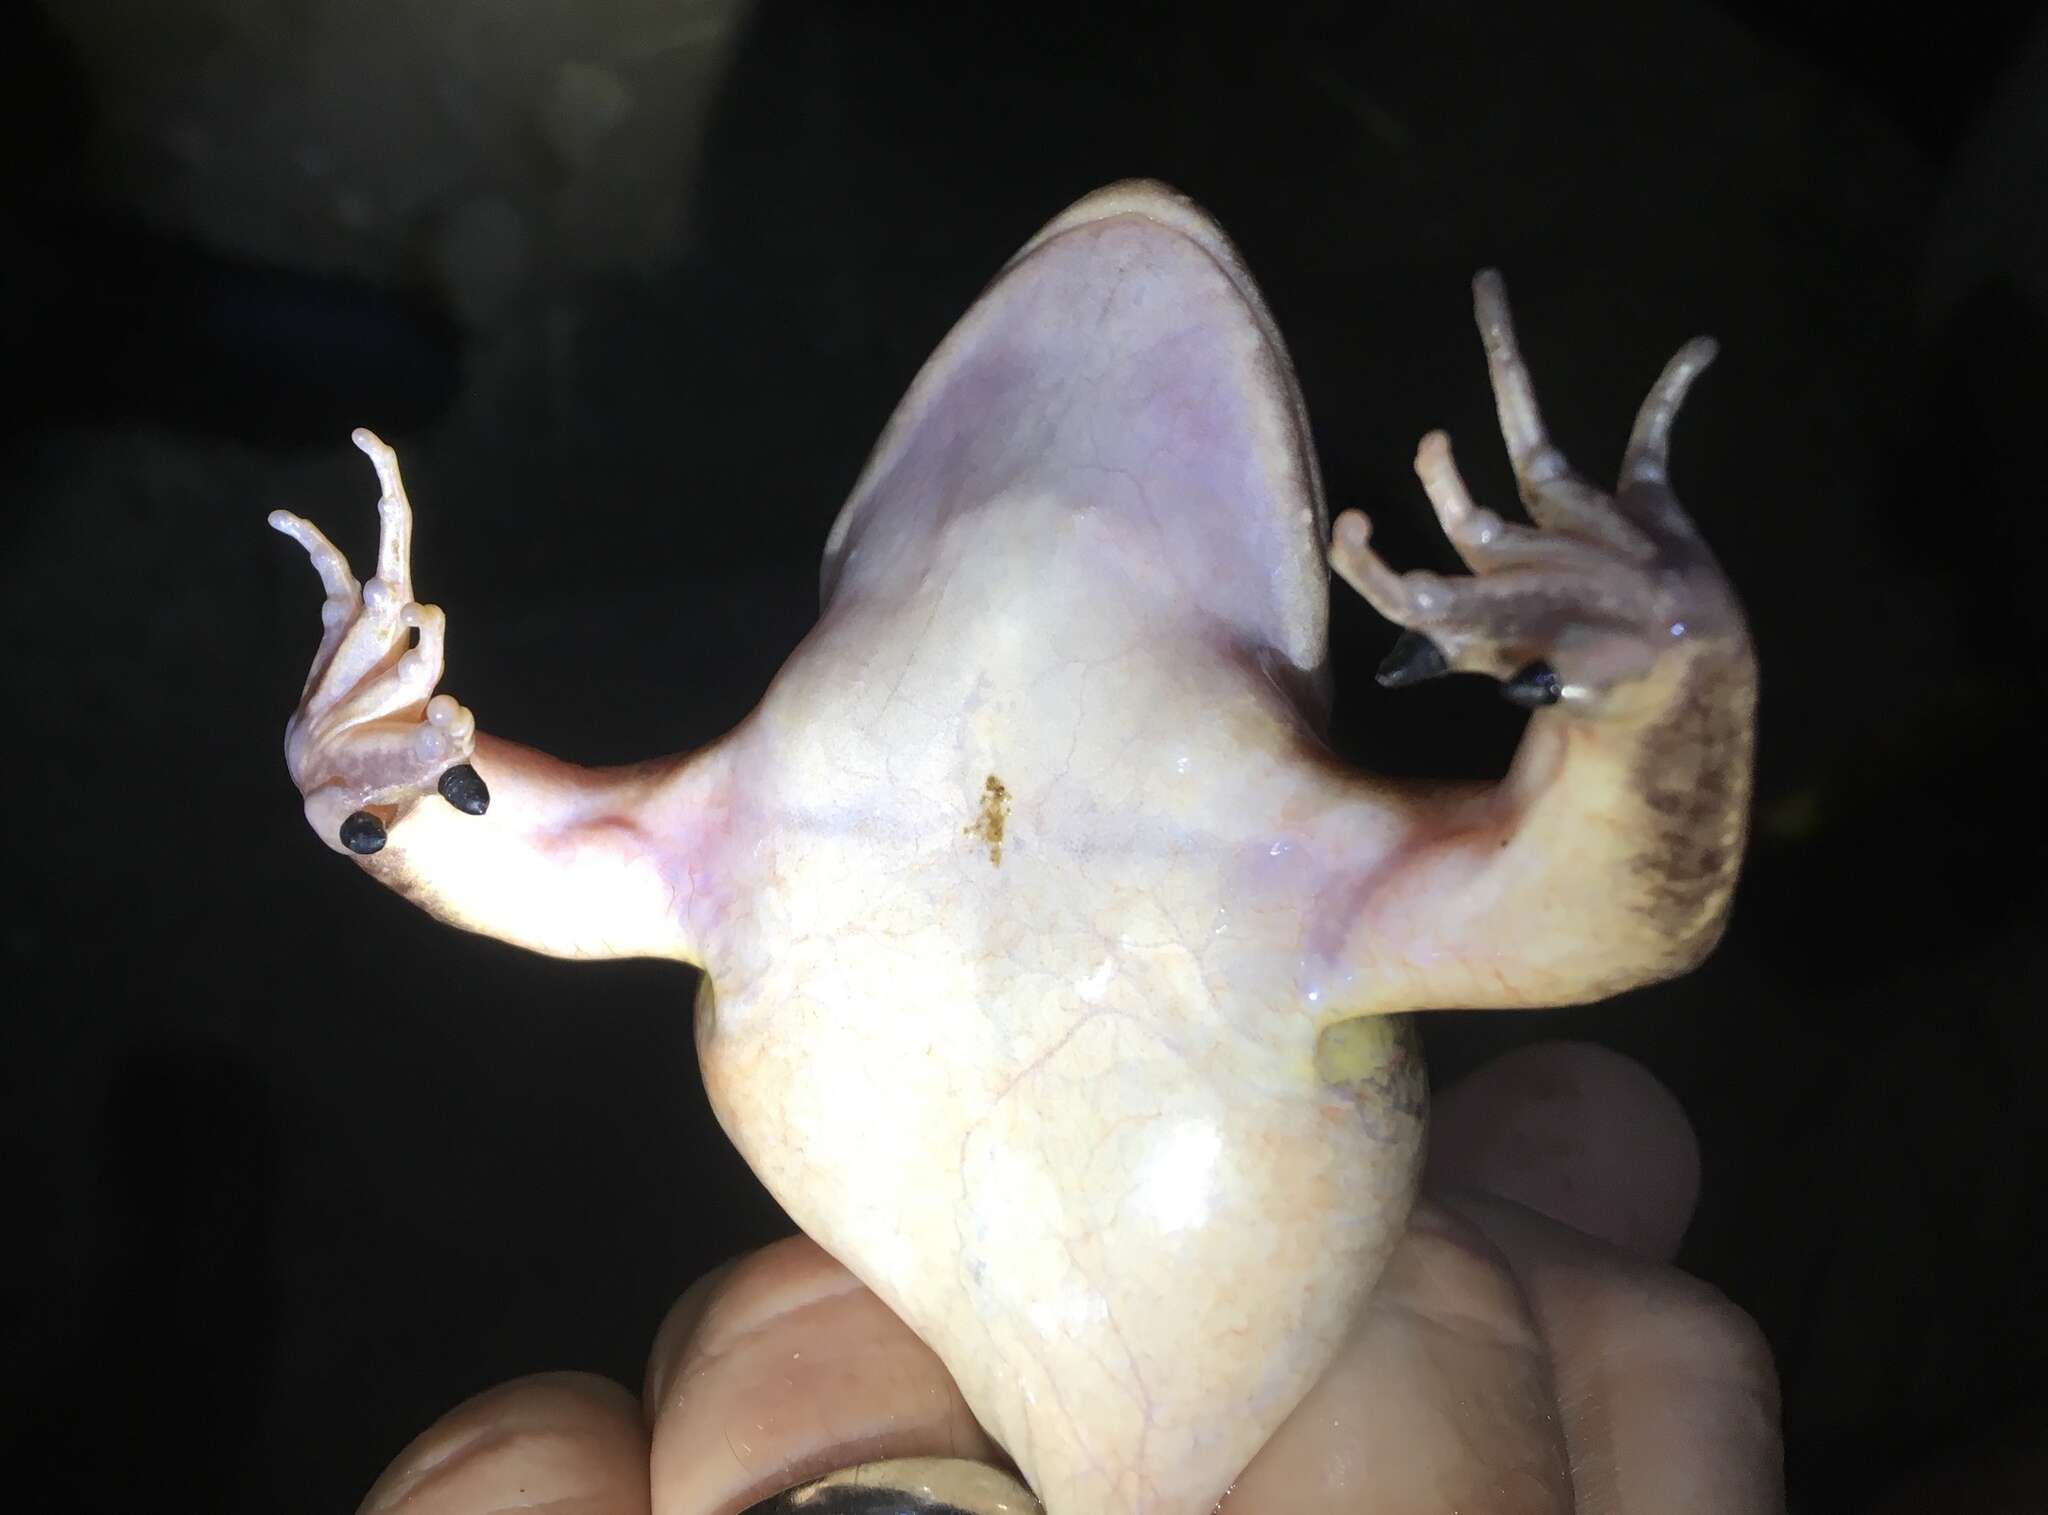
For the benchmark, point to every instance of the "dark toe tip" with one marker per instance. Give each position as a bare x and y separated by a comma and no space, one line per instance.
362,833
1534,687
1414,658
464,788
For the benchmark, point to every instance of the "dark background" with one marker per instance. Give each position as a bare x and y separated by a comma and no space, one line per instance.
633,288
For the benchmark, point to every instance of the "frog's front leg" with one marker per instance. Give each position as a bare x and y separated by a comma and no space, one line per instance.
1607,857
484,833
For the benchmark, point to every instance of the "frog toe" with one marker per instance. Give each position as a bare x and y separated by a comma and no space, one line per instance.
370,734
1577,609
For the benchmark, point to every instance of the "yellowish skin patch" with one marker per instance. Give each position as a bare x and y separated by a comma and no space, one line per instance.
1353,1051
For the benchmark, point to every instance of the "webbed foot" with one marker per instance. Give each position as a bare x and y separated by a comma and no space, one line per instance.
370,735
1577,609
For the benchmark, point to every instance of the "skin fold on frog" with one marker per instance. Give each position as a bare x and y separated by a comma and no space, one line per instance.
1055,972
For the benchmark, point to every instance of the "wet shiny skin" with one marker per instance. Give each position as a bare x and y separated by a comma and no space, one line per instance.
1048,954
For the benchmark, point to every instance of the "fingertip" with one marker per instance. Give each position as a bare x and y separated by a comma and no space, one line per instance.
548,1439
1665,1388
783,1367
731,1299
1579,1133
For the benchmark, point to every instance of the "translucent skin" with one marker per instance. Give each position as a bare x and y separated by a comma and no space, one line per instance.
1051,962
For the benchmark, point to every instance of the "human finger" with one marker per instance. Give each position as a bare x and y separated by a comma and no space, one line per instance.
1445,1394
568,1442
785,1367
1576,1132
1439,1399
1666,1392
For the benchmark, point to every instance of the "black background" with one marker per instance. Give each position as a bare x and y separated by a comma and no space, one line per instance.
296,1169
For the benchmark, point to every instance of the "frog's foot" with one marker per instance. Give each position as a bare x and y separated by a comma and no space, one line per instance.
1578,609
370,736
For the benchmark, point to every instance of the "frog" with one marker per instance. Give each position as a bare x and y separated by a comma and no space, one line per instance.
1055,973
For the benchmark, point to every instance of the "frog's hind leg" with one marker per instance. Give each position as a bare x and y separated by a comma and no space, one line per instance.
369,720
364,624
1576,608
1608,854
575,861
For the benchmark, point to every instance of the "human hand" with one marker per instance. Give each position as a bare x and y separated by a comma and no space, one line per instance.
1529,1350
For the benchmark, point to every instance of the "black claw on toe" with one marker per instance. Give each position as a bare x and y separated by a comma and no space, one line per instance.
363,834
1534,687
1414,658
463,787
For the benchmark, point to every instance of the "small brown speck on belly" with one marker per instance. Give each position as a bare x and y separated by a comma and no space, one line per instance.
995,815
